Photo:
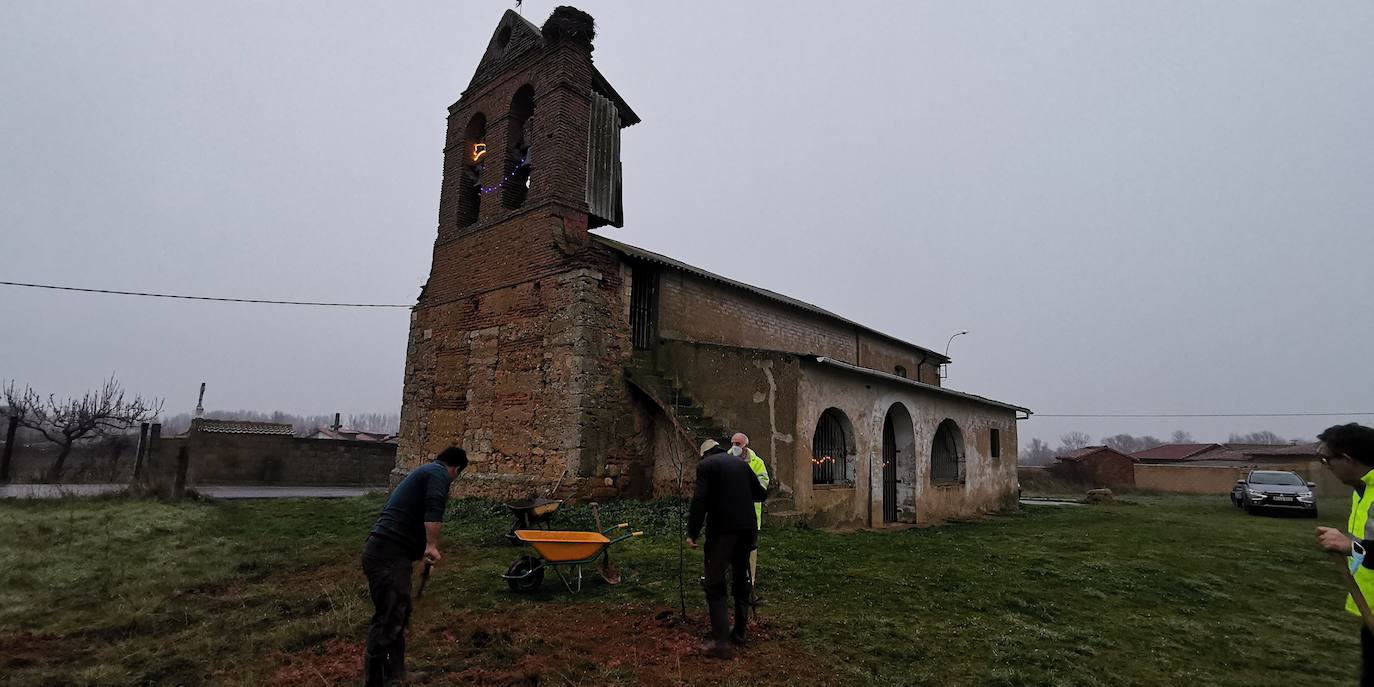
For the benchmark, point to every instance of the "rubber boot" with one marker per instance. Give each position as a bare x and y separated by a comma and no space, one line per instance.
374,670
739,636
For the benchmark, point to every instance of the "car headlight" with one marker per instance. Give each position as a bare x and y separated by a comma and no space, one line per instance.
1305,497
1255,494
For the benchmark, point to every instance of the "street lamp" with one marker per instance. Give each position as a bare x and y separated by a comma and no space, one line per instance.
945,367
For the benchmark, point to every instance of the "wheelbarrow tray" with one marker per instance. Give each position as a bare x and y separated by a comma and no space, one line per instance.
564,547
535,507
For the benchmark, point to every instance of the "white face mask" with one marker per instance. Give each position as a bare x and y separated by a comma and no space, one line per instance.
736,451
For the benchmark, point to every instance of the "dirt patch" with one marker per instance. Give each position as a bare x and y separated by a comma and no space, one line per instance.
565,643
346,570
334,662
25,650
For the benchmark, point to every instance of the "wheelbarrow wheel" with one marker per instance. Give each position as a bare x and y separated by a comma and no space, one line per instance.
525,574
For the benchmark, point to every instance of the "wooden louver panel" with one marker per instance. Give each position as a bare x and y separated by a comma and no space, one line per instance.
603,163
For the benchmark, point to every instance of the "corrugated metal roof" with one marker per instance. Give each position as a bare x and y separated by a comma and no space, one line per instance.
242,427
642,254
911,382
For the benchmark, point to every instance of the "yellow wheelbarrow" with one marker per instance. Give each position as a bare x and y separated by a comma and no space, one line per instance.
559,549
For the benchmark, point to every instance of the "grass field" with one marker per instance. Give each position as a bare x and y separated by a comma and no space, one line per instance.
1162,590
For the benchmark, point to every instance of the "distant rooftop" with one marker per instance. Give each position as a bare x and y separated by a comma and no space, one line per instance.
241,427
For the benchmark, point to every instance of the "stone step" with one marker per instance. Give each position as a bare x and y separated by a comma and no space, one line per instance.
783,518
781,504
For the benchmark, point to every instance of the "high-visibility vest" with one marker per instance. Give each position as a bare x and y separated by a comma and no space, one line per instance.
1361,526
761,472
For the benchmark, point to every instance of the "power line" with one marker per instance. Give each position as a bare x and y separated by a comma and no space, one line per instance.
203,298
1167,415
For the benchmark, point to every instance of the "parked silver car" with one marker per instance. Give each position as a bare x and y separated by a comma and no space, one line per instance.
1275,490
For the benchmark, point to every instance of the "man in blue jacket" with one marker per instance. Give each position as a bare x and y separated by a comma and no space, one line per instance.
407,530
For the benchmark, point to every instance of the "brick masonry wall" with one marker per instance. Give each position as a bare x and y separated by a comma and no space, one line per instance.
877,353
695,309
517,347
1098,470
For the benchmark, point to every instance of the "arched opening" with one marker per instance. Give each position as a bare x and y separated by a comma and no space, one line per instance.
519,144
474,160
947,454
899,371
899,466
832,447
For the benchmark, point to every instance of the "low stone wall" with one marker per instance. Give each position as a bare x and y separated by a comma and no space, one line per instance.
277,460
1220,479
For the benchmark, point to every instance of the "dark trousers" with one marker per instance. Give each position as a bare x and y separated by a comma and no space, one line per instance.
728,551
1366,657
388,582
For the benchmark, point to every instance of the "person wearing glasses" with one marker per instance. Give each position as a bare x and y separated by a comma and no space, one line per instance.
1348,452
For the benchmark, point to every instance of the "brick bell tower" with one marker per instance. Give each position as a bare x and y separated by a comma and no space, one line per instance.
515,349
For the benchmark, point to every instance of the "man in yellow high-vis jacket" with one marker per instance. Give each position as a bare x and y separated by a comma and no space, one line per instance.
739,447
1348,452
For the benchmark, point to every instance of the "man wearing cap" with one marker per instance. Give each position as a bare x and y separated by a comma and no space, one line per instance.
739,447
726,490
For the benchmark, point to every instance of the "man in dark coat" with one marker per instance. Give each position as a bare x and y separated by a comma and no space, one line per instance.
726,491
407,530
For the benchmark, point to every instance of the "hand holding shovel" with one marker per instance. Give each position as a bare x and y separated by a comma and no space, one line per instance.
1336,544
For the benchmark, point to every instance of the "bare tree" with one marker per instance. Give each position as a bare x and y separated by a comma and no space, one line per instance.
1264,437
1038,453
68,421
376,423
1127,443
1180,437
1074,441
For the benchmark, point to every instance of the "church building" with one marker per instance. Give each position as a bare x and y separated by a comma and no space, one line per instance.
567,360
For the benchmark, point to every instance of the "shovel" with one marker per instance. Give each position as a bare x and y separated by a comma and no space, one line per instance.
424,579
1354,589
609,571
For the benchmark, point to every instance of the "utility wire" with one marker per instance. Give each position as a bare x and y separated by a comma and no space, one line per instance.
1198,414
393,305
203,298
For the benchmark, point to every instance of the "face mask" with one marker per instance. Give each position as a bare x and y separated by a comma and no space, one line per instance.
736,451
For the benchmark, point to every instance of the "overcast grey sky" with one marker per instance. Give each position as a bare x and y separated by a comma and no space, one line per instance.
1133,207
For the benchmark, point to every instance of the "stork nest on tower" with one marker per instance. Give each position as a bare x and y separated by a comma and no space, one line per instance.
569,23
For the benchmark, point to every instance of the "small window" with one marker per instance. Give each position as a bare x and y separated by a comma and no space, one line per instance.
996,443
900,371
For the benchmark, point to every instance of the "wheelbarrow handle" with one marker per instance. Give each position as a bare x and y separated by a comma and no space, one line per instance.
609,530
